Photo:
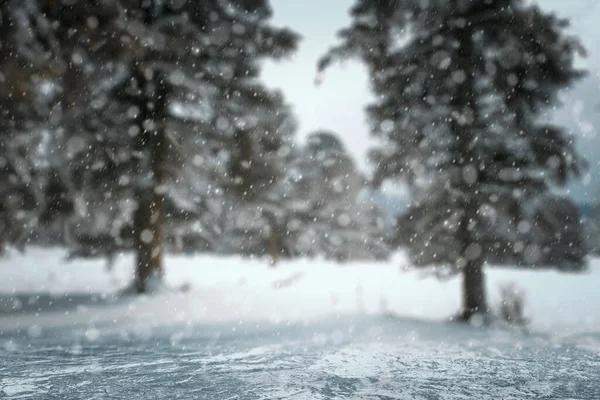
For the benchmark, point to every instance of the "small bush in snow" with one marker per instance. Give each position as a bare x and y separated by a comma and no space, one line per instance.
512,304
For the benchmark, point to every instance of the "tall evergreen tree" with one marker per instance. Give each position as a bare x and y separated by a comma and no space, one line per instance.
27,95
147,85
331,218
460,87
255,180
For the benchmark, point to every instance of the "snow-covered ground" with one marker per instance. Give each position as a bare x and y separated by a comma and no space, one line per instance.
307,329
230,289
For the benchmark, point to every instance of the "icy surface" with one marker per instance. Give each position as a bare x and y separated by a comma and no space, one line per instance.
353,358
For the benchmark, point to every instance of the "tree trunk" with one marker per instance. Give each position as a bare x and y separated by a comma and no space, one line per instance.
149,217
471,262
273,246
148,222
474,297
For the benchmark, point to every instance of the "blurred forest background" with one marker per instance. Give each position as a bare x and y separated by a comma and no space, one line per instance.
145,126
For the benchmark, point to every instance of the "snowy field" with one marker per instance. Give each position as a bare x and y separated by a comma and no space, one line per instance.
304,330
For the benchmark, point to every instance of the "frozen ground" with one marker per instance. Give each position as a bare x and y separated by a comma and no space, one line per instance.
305,330
358,358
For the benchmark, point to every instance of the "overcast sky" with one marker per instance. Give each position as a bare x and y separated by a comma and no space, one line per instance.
338,103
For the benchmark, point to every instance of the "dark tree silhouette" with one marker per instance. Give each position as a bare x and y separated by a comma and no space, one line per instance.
144,87
460,86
